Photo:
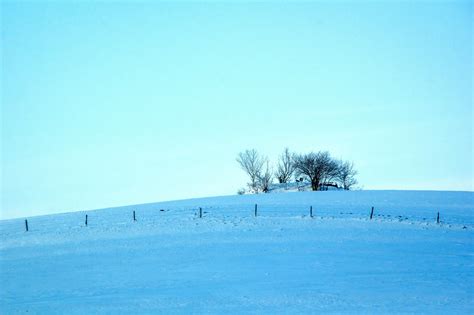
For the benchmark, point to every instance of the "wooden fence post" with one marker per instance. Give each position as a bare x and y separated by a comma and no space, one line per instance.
86,219
372,213
311,211
437,219
255,210
200,212
26,225
134,219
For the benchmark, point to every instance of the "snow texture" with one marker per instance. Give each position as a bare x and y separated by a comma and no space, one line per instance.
280,262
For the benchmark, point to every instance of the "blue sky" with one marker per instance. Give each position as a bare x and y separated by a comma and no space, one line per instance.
107,103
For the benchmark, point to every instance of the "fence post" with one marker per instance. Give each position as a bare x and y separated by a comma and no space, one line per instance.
26,225
200,212
437,219
134,219
86,219
311,211
255,210
372,213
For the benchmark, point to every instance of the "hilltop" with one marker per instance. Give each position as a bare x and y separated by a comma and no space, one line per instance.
283,261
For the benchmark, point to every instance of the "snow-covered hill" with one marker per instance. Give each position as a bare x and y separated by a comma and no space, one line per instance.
228,261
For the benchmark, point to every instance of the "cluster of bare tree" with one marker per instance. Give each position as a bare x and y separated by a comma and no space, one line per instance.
318,168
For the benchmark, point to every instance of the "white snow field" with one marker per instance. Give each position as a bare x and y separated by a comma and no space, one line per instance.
228,261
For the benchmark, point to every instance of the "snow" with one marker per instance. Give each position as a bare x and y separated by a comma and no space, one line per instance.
280,262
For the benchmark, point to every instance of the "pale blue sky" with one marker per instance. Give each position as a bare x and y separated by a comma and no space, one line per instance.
107,104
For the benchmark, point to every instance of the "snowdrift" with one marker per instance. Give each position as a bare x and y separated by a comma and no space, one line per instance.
282,261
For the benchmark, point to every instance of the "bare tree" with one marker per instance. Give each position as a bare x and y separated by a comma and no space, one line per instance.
252,163
318,167
265,178
285,168
331,171
346,174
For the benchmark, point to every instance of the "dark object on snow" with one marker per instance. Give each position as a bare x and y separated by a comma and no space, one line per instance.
372,213
86,219
311,211
255,210
327,186
134,219
437,219
200,212
26,225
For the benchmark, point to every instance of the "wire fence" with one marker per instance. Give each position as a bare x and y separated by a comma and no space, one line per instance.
153,215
